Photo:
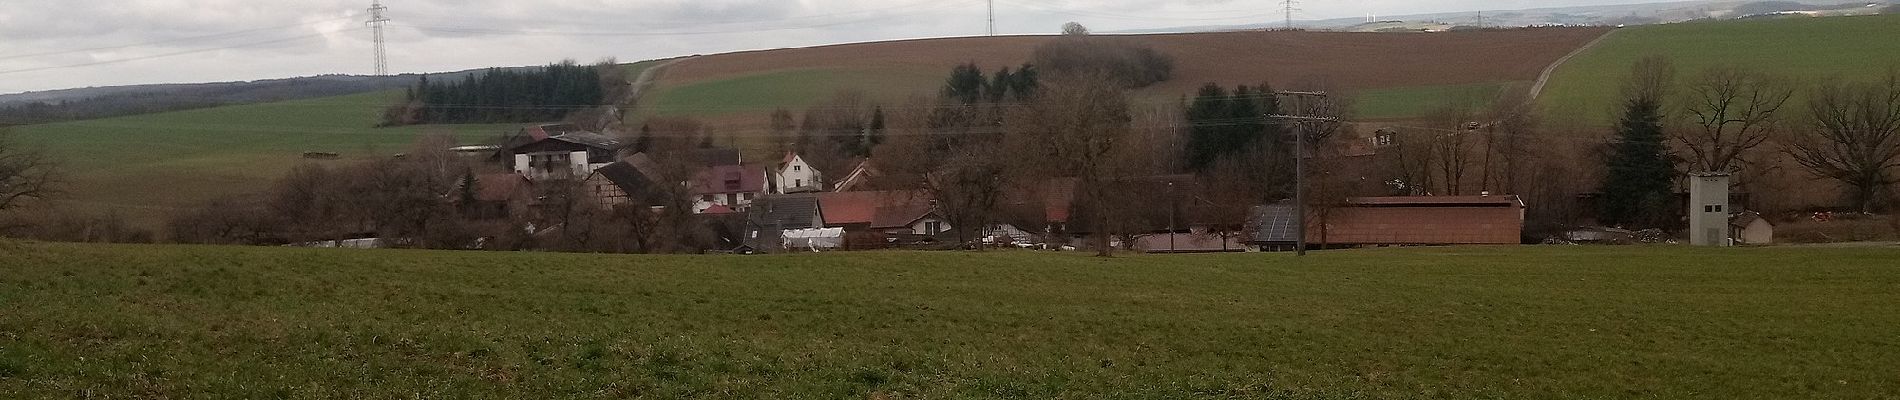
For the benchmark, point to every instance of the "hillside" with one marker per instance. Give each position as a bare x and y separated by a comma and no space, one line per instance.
147,166
1808,49
1526,322
741,88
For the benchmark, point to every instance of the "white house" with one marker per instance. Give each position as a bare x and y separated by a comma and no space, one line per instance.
911,220
793,175
553,152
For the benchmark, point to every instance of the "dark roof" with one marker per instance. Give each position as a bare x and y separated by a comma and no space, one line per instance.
799,211
729,179
590,139
899,216
633,175
718,157
1275,223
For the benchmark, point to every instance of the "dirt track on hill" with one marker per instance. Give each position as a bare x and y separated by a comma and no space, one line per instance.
1343,61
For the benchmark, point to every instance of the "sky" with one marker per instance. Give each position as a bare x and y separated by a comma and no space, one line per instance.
58,44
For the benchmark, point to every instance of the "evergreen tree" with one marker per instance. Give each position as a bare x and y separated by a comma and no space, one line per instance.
1638,175
965,84
877,128
998,88
1204,134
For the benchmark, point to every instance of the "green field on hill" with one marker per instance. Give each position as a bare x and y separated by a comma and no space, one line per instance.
145,166
1513,322
1807,49
1412,102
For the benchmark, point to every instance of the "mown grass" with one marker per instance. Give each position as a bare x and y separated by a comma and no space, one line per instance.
1805,49
1412,102
146,166
1550,322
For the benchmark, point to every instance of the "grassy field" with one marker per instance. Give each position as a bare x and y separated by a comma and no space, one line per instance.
1808,49
145,166
1544,322
1411,102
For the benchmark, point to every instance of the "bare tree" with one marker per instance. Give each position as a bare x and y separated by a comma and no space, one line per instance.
1853,137
954,154
1078,126
1731,111
25,174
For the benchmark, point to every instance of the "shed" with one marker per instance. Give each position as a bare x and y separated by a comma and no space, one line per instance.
1420,220
1749,228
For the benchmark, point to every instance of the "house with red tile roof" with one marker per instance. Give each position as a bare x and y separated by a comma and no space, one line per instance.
793,175
729,188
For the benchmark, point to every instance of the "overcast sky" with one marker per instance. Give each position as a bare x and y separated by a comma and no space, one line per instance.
57,44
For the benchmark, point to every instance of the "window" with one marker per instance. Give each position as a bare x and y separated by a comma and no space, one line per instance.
933,227
798,168
732,198
1382,140
748,197
798,183
1713,209
706,198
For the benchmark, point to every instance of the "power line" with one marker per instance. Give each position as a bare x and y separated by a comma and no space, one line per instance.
376,22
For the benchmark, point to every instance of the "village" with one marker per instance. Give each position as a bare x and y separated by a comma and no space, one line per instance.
786,205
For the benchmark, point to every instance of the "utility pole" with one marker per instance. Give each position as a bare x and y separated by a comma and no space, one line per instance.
1172,206
376,22
1299,159
992,17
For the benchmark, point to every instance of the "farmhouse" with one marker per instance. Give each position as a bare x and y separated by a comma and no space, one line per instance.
633,180
559,152
727,189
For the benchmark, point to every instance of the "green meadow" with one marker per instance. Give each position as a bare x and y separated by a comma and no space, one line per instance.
1515,322
1805,49
146,166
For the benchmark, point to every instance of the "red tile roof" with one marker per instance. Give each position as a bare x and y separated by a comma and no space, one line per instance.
1425,220
729,179
899,216
718,209
848,208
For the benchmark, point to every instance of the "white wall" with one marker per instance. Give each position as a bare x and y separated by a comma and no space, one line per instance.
922,227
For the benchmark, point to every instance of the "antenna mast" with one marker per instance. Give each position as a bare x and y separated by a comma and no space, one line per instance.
376,22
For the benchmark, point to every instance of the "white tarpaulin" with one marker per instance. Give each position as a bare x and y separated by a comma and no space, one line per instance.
815,239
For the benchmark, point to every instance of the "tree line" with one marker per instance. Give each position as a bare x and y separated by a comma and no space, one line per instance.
509,95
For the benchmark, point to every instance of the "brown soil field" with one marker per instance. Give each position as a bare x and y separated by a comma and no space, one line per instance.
1342,60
